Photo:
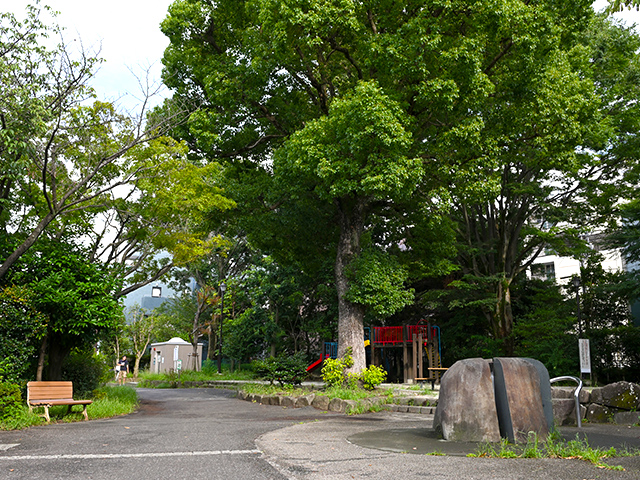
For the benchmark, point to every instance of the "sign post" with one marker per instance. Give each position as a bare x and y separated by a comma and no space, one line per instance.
585,356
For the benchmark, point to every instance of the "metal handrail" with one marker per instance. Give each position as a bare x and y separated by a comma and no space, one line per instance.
576,394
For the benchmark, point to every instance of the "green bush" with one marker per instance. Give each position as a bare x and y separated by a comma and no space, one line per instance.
285,369
333,371
86,371
10,400
373,376
209,367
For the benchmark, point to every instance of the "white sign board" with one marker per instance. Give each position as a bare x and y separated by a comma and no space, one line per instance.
585,355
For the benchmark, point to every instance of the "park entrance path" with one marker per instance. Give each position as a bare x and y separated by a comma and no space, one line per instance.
208,434
177,434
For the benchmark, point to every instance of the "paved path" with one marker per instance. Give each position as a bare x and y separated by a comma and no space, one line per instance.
208,434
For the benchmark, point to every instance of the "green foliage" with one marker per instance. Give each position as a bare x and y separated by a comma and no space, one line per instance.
377,280
21,329
373,376
285,369
335,376
10,400
209,367
86,370
544,326
333,370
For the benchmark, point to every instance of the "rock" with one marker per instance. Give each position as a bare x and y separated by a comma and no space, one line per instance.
287,401
337,405
627,418
596,396
623,395
564,411
321,402
305,400
562,392
599,413
466,407
519,400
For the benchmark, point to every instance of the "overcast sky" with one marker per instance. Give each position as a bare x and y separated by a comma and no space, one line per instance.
128,34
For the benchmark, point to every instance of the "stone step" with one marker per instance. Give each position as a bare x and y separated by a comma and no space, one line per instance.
409,409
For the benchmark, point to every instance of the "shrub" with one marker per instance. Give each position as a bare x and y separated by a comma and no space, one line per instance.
373,376
209,367
10,400
86,371
333,370
285,369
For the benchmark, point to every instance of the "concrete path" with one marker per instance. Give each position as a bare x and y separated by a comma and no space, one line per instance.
208,434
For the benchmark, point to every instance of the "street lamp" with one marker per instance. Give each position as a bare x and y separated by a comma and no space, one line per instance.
223,288
576,284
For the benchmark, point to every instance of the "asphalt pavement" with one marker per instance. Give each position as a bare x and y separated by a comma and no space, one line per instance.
208,434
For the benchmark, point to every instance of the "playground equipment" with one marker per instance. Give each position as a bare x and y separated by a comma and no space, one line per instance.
329,350
421,352
418,342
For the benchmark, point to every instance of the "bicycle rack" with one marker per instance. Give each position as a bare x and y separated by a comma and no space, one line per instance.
576,394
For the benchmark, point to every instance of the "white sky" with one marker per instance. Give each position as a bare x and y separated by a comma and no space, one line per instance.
127,32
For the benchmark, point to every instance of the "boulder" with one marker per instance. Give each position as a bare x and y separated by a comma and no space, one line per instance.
305,400
627,418
520,400
599,413
466,407
623,395
337,405
564,411
321,402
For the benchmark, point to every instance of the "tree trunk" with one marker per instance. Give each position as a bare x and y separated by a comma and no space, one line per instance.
350,315
502,316
213,340
57,354
43,352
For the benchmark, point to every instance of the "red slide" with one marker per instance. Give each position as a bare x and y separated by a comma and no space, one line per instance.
315,364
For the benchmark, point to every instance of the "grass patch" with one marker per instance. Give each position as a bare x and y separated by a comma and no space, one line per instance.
107,402
172,379
554,447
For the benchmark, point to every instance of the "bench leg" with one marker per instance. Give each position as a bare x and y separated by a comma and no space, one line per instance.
84,412
46,413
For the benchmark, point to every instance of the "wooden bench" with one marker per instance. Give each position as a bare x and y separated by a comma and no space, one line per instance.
437,373
47,394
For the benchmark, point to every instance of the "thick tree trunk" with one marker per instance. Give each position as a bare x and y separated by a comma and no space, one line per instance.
502,316
350,315
57,354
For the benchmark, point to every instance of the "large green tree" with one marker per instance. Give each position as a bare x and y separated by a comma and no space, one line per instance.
367,102
556,172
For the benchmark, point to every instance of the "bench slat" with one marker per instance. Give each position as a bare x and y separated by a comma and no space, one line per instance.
46,394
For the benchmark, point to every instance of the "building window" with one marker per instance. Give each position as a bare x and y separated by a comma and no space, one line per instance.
544,271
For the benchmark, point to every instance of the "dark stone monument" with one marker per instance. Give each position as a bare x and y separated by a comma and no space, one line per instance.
466,407
519,399
483,400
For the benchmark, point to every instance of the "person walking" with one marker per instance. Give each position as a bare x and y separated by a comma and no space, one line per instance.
124,369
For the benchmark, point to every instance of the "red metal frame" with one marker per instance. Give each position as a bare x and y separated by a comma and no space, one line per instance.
395,335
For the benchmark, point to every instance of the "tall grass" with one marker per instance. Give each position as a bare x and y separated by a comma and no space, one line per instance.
107,402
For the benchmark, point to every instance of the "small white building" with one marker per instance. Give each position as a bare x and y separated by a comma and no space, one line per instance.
174,355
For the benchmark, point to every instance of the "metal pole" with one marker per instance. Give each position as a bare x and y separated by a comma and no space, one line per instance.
223,287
